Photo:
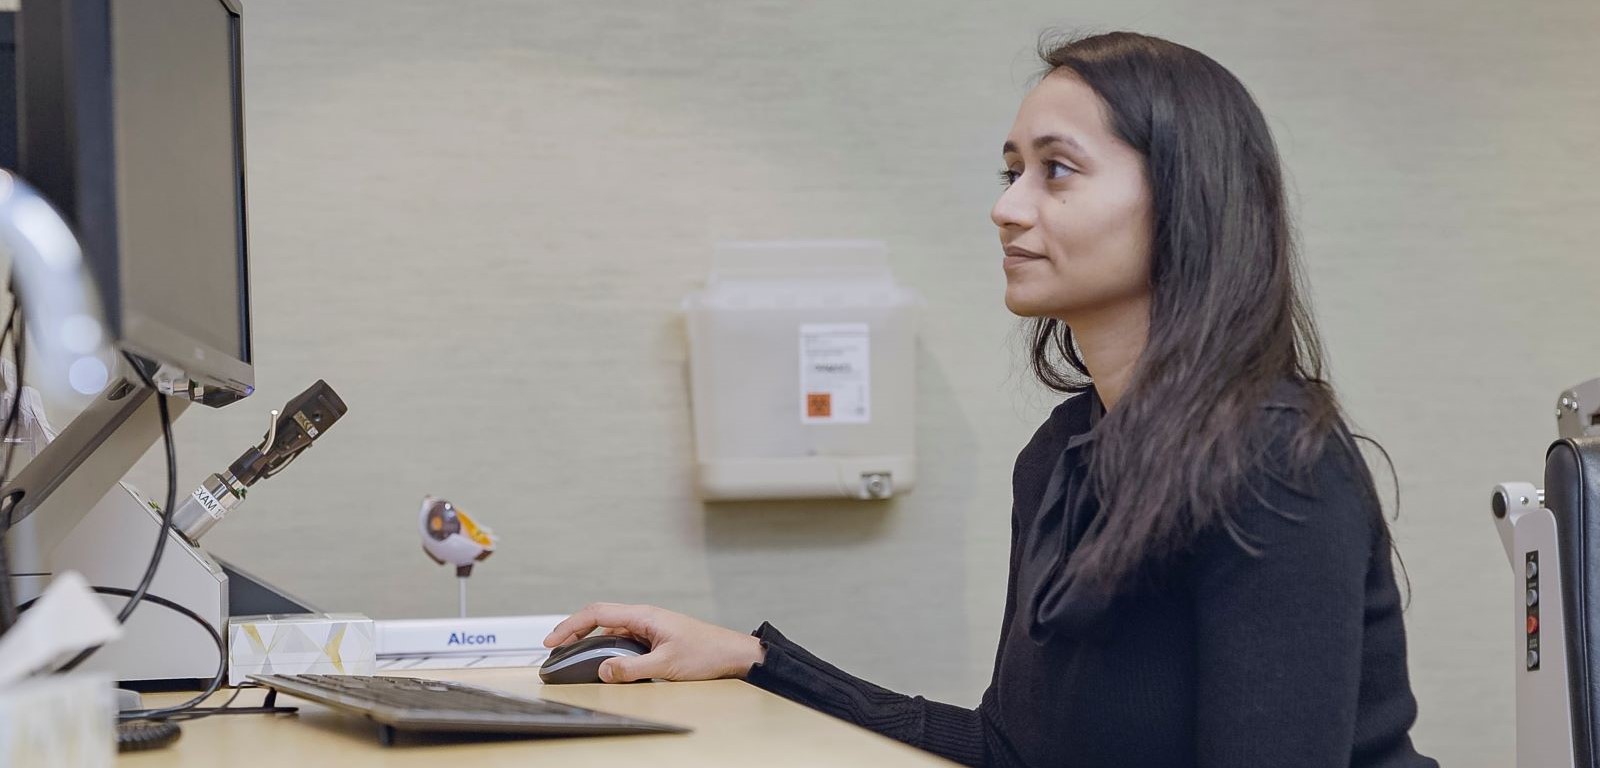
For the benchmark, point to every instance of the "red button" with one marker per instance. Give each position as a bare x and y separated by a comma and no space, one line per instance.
1533,624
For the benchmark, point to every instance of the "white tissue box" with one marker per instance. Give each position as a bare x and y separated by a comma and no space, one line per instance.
292,644
59,720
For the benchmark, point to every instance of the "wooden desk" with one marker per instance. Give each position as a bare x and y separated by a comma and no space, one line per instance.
735,724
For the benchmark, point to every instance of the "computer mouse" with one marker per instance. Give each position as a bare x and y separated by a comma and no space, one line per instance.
579,661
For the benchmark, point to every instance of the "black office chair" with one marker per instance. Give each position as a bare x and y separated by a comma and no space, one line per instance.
1552,540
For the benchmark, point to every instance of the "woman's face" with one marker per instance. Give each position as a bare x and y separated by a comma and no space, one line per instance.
1075,221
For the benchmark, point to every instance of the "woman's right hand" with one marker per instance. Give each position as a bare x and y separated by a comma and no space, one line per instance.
681,648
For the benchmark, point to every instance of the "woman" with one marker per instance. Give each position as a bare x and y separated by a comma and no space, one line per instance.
1200,568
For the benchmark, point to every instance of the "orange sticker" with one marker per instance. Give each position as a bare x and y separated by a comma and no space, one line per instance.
819,405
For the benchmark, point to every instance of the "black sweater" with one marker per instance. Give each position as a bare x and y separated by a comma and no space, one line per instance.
1294,656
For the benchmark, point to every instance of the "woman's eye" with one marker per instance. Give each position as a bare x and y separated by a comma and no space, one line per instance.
1057,170
1053,170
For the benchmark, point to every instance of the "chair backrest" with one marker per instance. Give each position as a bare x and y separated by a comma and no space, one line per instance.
1572,494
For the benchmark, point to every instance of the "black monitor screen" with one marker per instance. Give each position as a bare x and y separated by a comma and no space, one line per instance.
131,123
180,202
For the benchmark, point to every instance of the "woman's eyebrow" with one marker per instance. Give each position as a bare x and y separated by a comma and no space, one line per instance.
1046,140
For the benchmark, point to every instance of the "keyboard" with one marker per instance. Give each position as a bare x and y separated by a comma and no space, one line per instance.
413,704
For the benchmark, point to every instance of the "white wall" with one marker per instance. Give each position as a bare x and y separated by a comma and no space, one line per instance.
476,221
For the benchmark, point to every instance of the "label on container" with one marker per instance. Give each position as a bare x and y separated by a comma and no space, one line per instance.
835,373
212,506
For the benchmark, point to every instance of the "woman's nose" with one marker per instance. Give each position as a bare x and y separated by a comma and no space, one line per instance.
1014,209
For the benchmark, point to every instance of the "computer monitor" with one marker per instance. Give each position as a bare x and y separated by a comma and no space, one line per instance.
130,123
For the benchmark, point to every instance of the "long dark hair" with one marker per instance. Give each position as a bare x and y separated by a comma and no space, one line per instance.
1228,320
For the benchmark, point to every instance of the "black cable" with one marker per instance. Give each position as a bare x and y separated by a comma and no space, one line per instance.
11,413
16,403
142,735
8,607
216,637
227,708
195,713
172,495
200,712
139,592
19,344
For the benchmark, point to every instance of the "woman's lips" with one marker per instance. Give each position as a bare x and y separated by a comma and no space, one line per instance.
1016,257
